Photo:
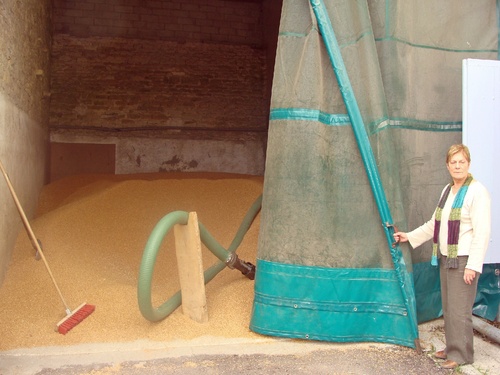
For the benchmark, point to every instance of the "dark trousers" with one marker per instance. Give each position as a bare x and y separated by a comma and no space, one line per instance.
458,300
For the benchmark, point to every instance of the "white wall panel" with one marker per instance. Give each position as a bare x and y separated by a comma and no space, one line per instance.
481,133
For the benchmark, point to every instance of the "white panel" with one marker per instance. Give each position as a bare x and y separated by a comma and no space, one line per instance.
481,133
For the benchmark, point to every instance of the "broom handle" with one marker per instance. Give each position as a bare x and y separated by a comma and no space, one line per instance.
32,235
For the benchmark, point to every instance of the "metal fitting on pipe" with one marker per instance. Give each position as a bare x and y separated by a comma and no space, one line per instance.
246,268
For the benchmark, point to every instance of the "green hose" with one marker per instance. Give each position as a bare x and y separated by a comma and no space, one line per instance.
227,258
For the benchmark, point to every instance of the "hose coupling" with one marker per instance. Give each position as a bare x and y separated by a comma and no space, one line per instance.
246,268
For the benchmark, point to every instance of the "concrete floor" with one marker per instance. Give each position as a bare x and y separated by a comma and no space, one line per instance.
265,355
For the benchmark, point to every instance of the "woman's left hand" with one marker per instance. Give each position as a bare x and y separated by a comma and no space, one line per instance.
469,276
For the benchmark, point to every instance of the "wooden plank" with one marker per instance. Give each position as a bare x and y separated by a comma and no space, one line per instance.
189,259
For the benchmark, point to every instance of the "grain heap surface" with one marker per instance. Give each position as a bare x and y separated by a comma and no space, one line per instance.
93,230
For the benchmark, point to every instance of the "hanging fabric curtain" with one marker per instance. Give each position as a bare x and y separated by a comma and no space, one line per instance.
365,102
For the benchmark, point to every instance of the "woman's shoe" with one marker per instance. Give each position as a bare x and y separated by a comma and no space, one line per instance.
440,354
449,364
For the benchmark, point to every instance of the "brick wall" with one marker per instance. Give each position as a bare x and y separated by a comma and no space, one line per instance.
172,85
219,21
129,83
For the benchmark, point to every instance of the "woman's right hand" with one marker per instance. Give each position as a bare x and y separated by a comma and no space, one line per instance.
400,237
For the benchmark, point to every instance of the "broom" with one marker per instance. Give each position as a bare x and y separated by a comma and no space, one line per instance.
72,317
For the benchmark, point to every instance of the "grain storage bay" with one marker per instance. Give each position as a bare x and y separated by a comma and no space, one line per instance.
93,230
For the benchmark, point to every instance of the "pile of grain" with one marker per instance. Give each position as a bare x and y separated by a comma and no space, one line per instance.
93,231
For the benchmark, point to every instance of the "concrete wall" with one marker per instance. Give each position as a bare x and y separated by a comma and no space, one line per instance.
24,87
176,85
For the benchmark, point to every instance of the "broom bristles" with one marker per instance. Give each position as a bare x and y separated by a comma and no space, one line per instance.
71,320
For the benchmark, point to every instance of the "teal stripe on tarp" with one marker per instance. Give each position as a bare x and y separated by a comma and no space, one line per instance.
433,47
415,124
329,304
339,119
306,114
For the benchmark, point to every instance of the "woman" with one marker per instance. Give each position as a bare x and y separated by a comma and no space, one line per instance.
460,229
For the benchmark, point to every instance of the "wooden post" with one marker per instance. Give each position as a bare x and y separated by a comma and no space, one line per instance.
189,259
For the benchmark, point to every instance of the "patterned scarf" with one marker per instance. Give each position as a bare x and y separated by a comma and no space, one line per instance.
453,224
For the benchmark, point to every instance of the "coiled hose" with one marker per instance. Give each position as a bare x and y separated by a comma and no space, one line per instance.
228,258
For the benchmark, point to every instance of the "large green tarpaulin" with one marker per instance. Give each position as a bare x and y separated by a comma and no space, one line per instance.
335,184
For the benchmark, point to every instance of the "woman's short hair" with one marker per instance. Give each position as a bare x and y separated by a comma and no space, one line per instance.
455,149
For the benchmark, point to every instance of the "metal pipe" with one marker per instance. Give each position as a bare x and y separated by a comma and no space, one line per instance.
486,329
